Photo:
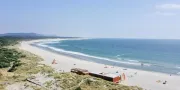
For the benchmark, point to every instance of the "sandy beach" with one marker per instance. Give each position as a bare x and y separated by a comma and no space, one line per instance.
145,79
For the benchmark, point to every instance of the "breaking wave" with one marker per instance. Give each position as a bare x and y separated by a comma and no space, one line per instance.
120,60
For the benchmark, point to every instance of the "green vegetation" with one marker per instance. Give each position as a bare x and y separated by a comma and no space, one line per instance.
18,65
29,66
6,41
9,57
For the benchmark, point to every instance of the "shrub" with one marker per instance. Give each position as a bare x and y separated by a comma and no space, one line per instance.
9,57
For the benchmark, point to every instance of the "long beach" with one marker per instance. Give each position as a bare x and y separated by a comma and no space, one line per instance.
145,79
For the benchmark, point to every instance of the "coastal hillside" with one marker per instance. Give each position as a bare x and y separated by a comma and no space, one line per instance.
22,70
21,34
31,36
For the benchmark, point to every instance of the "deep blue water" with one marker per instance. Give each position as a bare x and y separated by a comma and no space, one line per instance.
156,55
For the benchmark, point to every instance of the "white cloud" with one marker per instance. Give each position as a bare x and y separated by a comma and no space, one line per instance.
165,13
168,6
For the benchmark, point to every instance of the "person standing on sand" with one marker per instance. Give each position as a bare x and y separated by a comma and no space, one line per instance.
54,62
142,64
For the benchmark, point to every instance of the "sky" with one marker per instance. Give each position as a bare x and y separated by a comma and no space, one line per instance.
157,19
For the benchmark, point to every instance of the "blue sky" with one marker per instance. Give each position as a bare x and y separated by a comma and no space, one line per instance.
93,18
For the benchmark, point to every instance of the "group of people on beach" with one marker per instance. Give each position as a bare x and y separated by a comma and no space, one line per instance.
160,81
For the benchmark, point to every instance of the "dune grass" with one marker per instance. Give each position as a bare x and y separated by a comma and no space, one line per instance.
72,81
30,64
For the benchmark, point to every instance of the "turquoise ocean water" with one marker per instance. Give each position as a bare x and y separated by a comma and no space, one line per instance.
156,55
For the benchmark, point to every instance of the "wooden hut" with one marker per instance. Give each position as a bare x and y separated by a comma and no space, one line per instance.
80,71
108,77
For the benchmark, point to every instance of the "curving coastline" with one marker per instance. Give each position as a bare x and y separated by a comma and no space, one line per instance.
66,63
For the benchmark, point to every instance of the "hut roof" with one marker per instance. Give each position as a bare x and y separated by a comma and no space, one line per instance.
106,74
78,69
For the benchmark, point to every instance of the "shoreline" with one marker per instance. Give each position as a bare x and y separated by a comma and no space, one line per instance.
101,60
66,63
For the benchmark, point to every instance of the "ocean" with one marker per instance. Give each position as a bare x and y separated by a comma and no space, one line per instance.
144,54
